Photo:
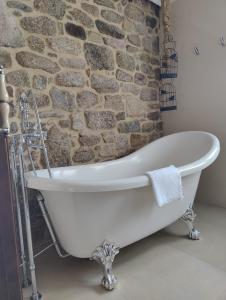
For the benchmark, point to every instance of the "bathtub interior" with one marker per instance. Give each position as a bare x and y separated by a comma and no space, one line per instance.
177,149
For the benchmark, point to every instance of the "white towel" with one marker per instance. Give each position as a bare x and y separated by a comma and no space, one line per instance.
167,185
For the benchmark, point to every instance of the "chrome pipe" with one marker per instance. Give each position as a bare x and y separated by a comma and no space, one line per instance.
44,250
40,252
25,280
36,132
36,146
31,160
42,139
24,109
45,215
35,294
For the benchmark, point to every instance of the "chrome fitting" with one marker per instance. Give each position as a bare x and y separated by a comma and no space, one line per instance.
189,218
105,255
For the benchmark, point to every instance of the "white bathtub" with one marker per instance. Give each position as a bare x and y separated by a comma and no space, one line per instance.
114,201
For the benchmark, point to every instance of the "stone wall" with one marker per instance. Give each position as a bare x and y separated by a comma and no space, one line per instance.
93,67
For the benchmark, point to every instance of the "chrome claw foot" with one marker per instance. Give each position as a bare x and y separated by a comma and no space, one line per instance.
109,282
105,256
189,218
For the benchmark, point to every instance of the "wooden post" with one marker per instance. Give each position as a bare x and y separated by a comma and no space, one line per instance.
10,287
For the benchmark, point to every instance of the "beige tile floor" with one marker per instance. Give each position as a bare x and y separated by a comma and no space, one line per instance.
164,266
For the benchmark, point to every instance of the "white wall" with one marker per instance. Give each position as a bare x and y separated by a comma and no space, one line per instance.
201,85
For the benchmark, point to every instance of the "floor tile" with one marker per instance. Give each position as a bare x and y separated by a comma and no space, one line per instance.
166,265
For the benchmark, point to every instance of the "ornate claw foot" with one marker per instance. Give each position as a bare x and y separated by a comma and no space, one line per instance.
189,218
105,256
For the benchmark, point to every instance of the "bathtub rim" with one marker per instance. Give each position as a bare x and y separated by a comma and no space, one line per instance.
70,185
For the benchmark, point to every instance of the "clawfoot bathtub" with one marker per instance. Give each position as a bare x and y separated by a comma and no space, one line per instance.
113,202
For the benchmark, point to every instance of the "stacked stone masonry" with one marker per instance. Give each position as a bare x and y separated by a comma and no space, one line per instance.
93,68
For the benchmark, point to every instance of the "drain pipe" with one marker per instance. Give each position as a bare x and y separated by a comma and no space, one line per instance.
25,281
45,215
35,294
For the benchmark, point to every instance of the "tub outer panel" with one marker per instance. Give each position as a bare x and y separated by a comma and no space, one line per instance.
83,221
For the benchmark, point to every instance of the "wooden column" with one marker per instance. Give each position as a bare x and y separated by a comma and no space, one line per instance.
10,287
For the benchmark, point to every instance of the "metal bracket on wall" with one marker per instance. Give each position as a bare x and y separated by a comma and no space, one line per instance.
196,51
222,41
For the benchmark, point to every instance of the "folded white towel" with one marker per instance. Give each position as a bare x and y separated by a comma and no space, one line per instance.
167,185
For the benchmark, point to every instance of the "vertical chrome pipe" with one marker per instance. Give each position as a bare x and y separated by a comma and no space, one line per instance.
42,139
31,160
25,280
35,294
24,110
38,133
